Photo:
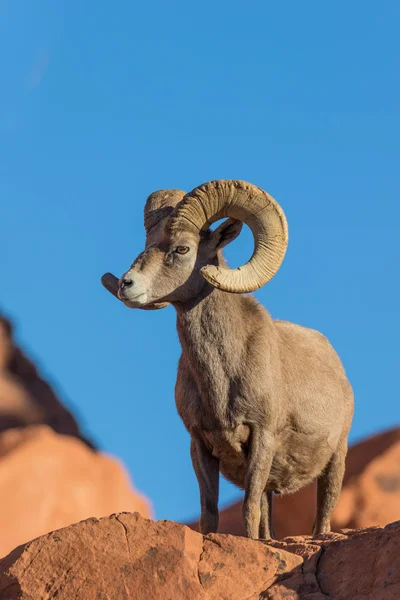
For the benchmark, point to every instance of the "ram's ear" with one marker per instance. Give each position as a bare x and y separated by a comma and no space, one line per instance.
226,233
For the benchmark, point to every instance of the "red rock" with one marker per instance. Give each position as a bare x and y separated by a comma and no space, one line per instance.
373,496
370,494
26,398
48,481
125,556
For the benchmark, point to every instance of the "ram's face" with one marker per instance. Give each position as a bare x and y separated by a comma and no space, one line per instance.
171,270
162,273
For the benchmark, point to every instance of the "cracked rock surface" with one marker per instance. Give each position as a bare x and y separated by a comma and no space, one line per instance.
125,556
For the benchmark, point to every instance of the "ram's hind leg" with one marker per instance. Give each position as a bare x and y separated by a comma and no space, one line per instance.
266,527
329,487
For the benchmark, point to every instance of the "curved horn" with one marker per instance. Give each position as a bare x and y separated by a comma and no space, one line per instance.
110,282
159,206
251,205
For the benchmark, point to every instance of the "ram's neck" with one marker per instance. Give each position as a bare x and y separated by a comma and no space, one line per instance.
216,333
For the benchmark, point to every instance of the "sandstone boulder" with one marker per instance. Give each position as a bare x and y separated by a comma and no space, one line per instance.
48,481
370,494
125,556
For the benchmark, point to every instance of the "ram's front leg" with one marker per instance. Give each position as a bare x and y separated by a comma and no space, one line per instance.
206,467
261,450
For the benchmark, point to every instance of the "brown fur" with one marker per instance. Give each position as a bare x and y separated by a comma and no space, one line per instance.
267,403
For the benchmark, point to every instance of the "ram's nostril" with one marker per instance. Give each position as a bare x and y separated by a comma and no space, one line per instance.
125,283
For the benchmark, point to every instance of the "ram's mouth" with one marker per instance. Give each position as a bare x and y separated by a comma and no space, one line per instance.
110,282
123,296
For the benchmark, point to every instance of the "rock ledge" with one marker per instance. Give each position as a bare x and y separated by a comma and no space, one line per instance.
126,556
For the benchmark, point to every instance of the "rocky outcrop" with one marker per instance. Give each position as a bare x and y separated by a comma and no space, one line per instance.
370,494
26,398
50,474
125,556
49,480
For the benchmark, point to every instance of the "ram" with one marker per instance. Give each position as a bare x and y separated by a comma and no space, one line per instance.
266,402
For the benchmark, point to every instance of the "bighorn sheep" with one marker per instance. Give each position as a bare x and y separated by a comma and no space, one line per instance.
266,402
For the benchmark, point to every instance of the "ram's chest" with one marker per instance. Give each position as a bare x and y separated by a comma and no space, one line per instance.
230,446
205,401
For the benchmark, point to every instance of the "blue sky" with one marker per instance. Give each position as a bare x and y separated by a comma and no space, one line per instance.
103,103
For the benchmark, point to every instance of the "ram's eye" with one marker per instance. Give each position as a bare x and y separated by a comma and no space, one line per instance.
182,249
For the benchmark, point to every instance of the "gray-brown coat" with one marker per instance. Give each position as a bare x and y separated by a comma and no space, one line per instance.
267,403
